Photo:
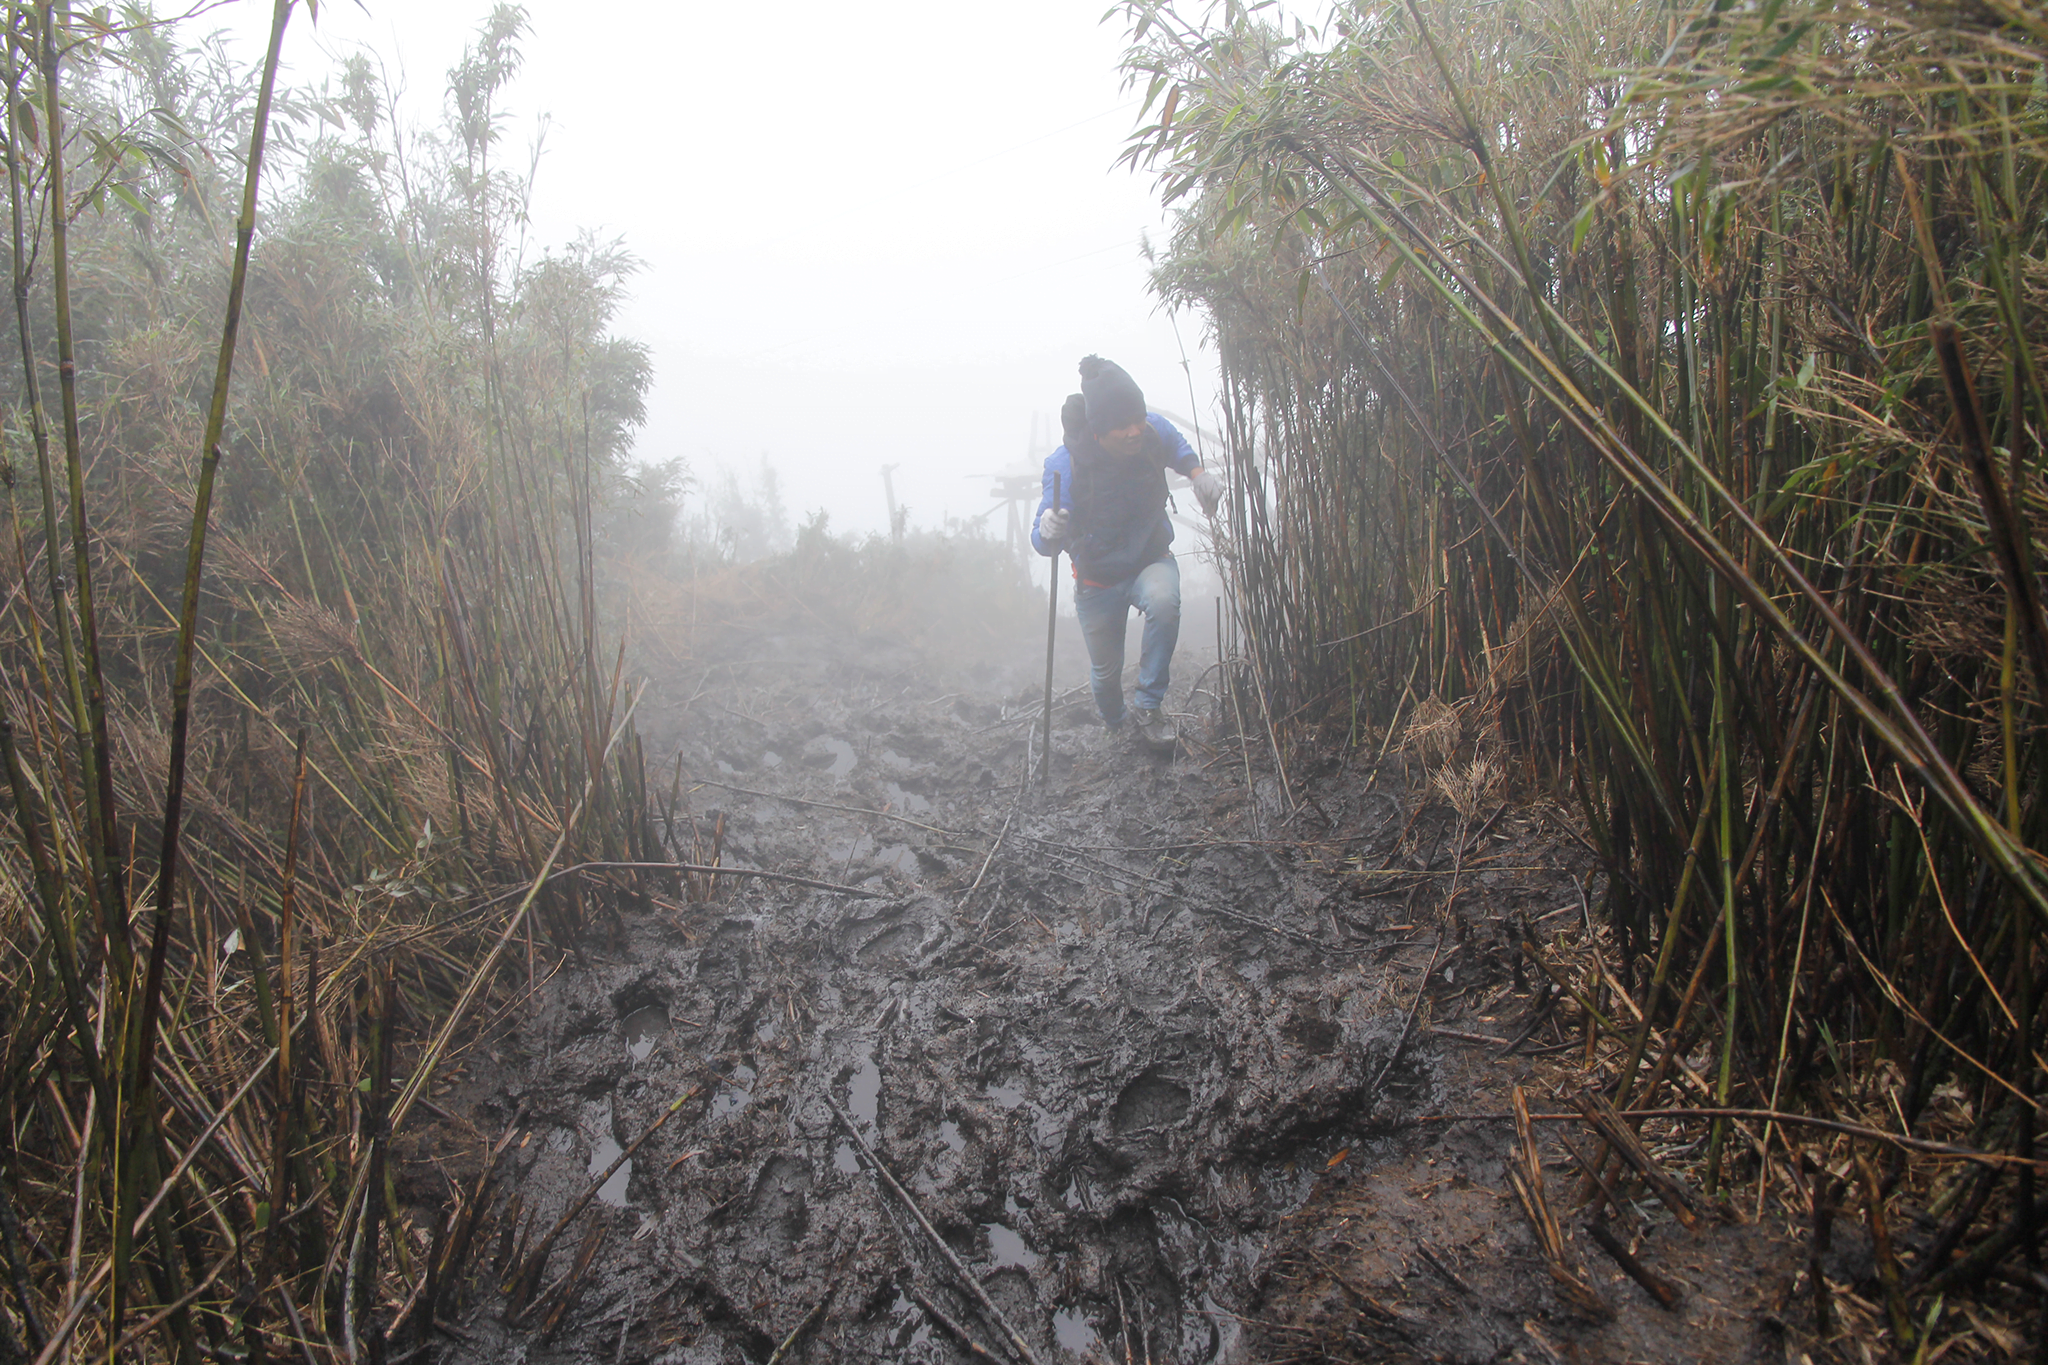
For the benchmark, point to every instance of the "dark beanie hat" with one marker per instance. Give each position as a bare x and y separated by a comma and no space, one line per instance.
1113,397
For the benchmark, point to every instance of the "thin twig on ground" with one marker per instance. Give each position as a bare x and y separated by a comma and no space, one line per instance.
946,1253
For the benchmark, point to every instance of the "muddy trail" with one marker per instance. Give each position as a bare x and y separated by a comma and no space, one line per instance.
1159,1057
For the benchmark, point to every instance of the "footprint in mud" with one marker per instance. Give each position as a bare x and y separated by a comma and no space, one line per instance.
1150,1101
643,1027
894,944
780,1207
729,952
835,756
1316,1036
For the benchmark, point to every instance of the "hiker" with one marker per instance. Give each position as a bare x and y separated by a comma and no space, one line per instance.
1112,520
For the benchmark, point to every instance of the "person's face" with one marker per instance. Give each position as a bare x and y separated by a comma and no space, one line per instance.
1124,441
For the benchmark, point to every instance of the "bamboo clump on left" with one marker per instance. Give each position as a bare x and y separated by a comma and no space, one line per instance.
306,695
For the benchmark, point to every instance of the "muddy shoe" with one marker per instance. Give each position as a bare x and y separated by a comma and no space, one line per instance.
1150,730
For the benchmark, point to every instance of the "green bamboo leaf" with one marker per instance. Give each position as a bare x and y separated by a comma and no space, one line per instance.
1582,223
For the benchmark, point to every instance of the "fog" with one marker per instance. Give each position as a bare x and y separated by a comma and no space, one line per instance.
869,235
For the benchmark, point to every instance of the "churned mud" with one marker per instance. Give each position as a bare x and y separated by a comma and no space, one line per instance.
1148,1047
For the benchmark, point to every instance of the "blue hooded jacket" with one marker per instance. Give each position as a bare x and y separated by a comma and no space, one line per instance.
1120,521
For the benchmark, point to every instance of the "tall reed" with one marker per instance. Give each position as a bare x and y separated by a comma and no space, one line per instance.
301,650
1663,386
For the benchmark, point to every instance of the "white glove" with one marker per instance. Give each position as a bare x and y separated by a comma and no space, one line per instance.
1208,491
1052,525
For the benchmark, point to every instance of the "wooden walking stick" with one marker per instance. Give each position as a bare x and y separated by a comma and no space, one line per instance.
1052,620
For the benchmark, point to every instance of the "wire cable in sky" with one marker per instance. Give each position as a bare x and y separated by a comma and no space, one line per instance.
1053,265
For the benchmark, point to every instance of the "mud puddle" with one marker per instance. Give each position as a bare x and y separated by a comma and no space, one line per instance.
1143,1049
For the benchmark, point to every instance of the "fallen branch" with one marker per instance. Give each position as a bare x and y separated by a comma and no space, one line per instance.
972,1285
758,874
1252,921
528,1278
1408,1025
149,1324
832,805
1400,1322
1451,1276
993,849
1480,1039
1670,1191
1857,1130
1525,1173
797,1331
1667,1294
954,1328
565,1295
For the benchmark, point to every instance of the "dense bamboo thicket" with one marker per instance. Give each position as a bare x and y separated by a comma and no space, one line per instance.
312,740
1663,385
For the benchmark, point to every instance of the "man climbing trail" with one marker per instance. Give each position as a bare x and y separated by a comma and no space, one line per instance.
1104,503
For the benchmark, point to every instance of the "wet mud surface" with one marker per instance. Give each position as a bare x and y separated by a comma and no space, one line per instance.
1144,1047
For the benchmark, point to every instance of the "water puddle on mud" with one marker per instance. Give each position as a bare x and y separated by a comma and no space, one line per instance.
1071,1328
864,1092
1008,1096
901,857
604,1150
842,756
913,1328
949,1133
908,801
864,1104
770,759
896,760
643,1027
735,1095
1007,1248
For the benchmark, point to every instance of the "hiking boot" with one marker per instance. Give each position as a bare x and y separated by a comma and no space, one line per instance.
1150,730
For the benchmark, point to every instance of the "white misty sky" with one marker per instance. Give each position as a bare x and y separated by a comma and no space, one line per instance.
871,234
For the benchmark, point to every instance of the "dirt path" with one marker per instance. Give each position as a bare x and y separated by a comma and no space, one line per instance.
1145,1051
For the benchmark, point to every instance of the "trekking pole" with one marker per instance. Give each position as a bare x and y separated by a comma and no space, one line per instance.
1052,620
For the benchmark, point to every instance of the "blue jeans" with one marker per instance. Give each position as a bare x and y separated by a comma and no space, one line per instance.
1103,612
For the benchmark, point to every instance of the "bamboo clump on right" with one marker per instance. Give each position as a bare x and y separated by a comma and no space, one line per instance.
1665,387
